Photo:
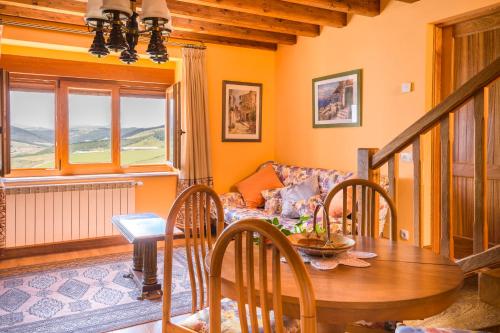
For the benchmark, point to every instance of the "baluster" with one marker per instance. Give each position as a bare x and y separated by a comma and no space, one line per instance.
480,234
446,237
393,171
417,193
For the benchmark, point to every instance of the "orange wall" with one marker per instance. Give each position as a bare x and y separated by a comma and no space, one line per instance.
391,48
233,161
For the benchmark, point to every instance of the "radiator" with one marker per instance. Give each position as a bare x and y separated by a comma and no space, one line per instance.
49,213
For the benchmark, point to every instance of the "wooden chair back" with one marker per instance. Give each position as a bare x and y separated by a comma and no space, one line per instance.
364,207
191,212
249,236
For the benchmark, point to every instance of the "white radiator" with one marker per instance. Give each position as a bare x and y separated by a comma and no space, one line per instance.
43,214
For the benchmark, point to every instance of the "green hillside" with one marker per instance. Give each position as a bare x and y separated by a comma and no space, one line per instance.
139,146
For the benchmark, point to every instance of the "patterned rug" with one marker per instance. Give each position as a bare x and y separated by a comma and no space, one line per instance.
84,295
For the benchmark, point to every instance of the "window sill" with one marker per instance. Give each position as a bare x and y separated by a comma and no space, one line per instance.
89,177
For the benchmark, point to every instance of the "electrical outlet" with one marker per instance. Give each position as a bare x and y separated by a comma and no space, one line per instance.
404,234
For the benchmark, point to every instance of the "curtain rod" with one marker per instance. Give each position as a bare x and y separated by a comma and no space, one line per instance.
5,21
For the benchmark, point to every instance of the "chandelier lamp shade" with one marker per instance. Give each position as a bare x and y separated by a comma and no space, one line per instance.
117,29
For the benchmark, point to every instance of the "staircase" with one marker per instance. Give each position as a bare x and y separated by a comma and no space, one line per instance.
439,120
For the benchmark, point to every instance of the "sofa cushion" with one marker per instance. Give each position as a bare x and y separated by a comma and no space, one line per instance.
306,207
273,201
298,192
327,178
265,178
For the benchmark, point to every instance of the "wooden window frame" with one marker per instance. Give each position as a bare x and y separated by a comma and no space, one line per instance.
62,86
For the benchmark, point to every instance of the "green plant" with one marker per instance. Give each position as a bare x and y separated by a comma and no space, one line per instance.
280,227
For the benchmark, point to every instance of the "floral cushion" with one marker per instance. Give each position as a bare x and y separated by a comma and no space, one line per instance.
273,201
290,175
412,329
232,199
230,323
306,207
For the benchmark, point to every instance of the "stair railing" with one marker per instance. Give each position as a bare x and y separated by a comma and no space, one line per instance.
371,159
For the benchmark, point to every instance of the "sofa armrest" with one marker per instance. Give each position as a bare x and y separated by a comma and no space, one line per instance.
232,199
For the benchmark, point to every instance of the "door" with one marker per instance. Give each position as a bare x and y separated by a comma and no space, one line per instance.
468,47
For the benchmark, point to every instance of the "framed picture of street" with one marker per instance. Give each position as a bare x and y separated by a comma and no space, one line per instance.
241,111
337,100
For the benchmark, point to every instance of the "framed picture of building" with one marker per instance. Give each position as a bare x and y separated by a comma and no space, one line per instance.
241,111
337,100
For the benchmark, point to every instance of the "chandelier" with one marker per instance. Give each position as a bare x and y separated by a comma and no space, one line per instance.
117,28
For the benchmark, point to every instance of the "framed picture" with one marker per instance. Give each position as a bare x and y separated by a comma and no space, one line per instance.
337,100
241,111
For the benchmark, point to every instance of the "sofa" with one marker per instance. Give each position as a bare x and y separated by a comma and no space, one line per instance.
235,208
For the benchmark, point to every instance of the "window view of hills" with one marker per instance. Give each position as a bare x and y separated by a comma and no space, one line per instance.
34,147
33,133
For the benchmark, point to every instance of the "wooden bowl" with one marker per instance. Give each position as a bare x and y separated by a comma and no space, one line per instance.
313,245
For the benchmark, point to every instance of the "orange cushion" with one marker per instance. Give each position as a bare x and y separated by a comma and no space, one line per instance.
250,188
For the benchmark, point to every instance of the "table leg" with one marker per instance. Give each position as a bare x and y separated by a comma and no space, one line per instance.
150,265
138,259
331,328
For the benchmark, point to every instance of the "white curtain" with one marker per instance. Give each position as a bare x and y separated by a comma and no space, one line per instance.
196,166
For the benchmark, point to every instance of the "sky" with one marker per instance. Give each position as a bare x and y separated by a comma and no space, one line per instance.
36,109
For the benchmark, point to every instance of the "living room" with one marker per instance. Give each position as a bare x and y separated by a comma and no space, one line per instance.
390,61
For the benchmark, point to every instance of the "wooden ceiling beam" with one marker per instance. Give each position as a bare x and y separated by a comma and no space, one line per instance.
236,18
279,9
79,28
200,13
182,25
360,7
185,24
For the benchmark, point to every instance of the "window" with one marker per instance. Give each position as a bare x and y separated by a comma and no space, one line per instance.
142,131
89,114
32,136
88,127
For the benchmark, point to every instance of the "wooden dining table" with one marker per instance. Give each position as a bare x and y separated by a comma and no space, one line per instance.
403,282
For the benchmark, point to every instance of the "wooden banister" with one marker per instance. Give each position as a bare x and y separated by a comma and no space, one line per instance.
432,118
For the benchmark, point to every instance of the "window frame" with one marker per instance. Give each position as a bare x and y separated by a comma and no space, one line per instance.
62,86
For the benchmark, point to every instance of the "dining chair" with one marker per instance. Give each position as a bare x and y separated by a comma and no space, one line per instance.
251,238
364,207
191,212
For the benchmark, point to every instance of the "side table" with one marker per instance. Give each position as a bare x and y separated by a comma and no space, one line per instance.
143,230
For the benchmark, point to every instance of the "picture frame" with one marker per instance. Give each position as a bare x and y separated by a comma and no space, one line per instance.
241,111
337,100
